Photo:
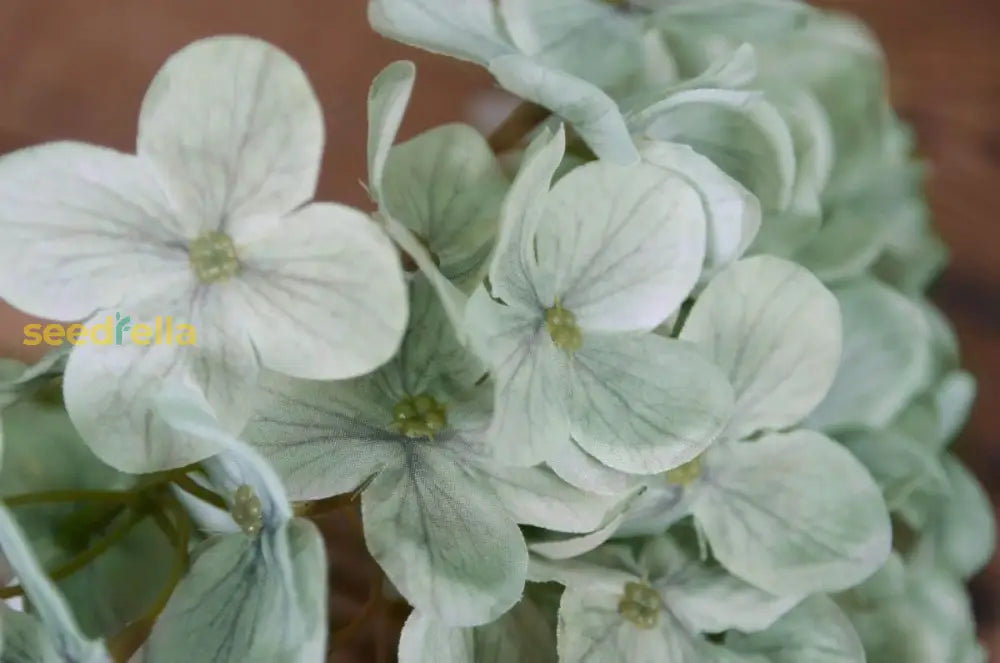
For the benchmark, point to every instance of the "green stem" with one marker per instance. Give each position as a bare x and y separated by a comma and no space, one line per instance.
63,496
87,556
192,487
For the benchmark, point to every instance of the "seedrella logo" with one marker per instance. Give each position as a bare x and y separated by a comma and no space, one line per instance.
116,330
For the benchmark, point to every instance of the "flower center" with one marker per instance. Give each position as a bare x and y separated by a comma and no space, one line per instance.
640,605
562,327
213,257
686,474
419,416
247,511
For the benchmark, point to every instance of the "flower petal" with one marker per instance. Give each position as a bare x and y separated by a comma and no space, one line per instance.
816,631
732,213
324,438
775,331
793,513
468,30
387,101
886,359
521,635
739,131
593,114
109,388
446,186
280,614
79,222
234,129
322,292
530,419
646,404
513,270
445,542
564,34
624,245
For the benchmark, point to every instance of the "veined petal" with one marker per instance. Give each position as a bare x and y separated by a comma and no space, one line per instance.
739,131
793,513
565,34
646,404
387,101
322,292
579,468
886,359
444,540
249,600
531,418
79,222
592,113
109,388
468,29
324,438
774,330
446,186
816,631
624,245
513,270
521,635
732,213
234,129
591,630
536,496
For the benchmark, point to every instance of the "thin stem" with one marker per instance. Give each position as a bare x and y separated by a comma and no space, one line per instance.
375,598
518,124
87,556
192,487
63,496
127,642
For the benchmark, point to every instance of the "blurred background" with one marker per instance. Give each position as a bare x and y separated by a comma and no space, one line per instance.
78,70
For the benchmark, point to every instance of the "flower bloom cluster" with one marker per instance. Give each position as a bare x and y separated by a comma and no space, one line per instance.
659,385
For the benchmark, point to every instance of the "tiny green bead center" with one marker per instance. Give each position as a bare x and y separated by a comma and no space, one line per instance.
686,474
247,511
562,327
213,257
419,416
640,605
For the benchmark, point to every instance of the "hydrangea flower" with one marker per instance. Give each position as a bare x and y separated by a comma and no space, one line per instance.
208,224
258,593
440,506
50,634
652,605
582,273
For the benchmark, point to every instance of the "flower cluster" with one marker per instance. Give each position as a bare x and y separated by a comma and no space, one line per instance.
659,385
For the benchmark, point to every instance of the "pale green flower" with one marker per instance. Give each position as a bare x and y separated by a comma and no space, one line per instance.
207,224
583,273
256,595
653,606
440,505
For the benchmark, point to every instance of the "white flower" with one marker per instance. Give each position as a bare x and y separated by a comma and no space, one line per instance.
206,225
440,506
582,273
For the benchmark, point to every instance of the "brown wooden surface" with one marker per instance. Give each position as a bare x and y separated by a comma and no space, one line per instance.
71,69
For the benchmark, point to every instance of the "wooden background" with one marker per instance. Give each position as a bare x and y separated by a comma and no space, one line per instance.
72,69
